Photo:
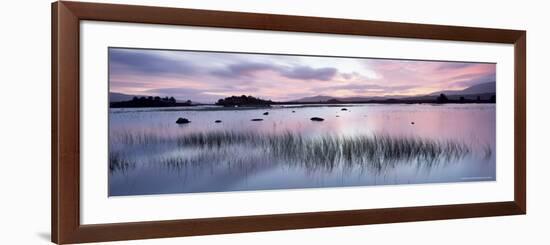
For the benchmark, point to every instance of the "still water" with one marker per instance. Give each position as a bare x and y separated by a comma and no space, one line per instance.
355,145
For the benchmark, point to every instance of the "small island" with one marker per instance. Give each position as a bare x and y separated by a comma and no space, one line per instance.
243,101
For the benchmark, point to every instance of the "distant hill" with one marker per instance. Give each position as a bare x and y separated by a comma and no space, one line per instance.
482,88
322,99
318,98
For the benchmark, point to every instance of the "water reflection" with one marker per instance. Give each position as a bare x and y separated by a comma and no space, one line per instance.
366,145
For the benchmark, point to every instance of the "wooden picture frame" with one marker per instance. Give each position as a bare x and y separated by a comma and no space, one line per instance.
65,175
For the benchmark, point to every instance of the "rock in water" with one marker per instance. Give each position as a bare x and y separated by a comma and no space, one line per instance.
257,119
317,119
412,123
182,121
266,113
218,121
293,111
344,109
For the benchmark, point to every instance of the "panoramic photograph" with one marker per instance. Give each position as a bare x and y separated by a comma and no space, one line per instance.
183,121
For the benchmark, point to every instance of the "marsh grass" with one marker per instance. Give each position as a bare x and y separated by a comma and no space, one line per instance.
210,161
119,163
326,152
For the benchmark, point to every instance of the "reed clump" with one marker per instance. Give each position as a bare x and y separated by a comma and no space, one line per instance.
378,151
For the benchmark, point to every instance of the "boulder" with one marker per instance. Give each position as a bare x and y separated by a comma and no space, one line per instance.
344,109
317,119
257,119
266,113
182,121
218,121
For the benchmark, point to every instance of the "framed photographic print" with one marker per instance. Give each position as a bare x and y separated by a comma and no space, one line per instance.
177,122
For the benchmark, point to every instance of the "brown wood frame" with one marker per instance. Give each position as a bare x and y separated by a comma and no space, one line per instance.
65,175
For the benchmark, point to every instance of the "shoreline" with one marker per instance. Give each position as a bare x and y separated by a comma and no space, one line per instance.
206,107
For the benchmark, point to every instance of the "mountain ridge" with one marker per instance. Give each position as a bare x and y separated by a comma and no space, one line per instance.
482,89
489,87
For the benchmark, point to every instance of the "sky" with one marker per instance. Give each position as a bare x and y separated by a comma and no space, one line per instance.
208,76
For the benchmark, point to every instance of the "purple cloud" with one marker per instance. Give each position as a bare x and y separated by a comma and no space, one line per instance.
129,61
242,70
454,65
247,69
207,76
308,73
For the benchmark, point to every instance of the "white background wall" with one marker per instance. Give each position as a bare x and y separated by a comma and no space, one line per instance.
25,121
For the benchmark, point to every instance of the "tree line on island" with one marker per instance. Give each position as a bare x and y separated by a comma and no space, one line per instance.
243,100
